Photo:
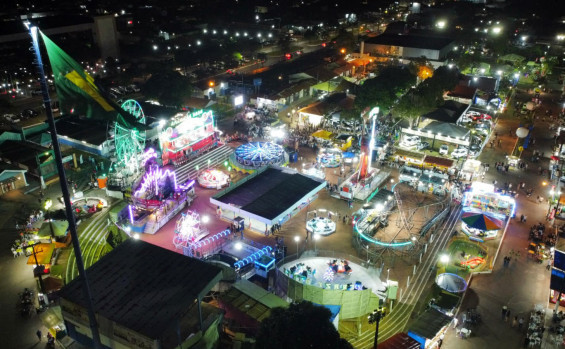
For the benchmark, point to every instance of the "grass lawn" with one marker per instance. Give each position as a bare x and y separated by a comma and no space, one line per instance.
471,250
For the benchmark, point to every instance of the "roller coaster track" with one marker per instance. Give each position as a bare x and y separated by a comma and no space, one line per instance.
397,320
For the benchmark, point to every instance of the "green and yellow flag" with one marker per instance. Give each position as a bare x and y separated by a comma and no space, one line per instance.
77,92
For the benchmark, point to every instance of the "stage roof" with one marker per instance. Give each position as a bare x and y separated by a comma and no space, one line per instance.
271,192
144,287
400,341
252,300
430,323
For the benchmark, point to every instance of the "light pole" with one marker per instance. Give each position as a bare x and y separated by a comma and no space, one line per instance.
375,317
316,238
296,239
387,275
444,259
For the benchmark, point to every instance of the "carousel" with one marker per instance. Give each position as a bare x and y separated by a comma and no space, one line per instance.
330,157
321,222
213,179
188,229
259,154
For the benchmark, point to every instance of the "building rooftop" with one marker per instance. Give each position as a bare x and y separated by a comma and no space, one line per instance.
450,111
91,131
271,192
21,152
410,40
144,287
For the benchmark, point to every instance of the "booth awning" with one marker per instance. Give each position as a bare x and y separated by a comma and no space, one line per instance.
43,252
410,155
438,161
481,221
323,134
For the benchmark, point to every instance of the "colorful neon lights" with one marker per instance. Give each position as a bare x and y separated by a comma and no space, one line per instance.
151,180
148,155
253,257
380,243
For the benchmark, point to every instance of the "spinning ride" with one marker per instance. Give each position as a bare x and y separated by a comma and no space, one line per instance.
212,178
188,230
330,157
129,143
259,154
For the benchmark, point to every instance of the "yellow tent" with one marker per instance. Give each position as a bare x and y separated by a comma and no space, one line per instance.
323,134
43,253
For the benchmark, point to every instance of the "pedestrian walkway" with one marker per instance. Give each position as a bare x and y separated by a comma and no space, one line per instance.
523,283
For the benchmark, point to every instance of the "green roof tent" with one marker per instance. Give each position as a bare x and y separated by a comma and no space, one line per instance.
60,228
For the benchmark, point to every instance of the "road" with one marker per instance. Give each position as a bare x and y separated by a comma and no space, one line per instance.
524,283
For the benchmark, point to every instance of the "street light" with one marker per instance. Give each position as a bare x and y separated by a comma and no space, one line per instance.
316,238
387,275
296,239
375,317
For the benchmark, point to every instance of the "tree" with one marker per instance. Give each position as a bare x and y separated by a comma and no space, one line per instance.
384,89
301,325
168,87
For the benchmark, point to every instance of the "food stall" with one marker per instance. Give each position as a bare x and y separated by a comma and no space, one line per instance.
471,169
482,196
408,157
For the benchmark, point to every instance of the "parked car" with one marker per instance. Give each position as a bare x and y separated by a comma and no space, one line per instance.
423,145
134,88
12,118
474,149
29,113
444,149
460,153
410,141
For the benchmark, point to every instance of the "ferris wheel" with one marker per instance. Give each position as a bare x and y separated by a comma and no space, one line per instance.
129,143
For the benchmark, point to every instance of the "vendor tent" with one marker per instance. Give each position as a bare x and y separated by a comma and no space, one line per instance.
43,253
57,228
481,221
451,282
323,134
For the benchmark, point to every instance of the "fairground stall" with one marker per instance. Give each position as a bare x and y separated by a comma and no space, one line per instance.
408,157
188,135
482,196
433,182
471,170
409,174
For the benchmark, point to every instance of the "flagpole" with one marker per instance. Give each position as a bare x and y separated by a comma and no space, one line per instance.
87,294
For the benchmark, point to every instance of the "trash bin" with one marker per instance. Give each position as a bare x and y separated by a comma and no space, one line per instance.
102,181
